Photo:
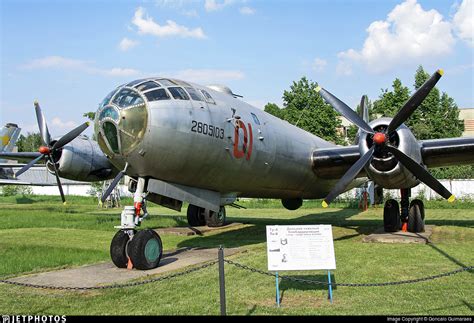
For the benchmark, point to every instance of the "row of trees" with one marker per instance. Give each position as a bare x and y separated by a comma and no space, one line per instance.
437,116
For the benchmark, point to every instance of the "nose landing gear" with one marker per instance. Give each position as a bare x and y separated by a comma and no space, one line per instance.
129,248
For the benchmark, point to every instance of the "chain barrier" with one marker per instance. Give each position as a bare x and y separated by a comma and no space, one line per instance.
244,267
315,282
138,283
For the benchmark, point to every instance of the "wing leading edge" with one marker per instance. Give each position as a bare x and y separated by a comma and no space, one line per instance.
333,163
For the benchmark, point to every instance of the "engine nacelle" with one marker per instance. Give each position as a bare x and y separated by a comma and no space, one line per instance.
82,160
384,169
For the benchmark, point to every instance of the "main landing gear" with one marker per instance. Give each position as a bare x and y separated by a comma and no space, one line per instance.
406,217
198,216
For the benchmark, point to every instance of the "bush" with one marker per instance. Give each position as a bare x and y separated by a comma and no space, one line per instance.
11,190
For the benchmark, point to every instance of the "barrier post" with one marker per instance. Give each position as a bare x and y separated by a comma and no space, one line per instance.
222,280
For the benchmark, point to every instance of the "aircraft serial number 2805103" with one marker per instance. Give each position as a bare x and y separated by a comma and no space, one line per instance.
185,142
206,129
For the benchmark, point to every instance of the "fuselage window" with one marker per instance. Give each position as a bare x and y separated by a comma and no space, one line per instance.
127,97
166,82
208,97
194,94
107,99
147,86
135,82
157,95
109,112
255,119
178,93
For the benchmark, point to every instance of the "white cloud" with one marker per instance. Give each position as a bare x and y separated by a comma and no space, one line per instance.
126,44
319,64
118,71
215,5
54,62
146,25
58,62
207,75
58,123
463,22
190,13
247,11
408,35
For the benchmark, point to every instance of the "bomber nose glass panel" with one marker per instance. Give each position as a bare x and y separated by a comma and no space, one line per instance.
121,121
122,117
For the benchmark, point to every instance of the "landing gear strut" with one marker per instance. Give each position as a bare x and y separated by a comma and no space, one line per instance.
132,248
408,217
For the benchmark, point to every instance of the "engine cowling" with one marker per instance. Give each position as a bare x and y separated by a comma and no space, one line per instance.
385,169
82,160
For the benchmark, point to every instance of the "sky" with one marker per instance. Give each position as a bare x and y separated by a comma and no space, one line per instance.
70,54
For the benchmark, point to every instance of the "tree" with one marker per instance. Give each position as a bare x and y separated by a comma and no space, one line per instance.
436,117
305,108
89,115
31,142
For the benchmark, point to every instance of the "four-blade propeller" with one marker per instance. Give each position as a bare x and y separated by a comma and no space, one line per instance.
381,140
47,151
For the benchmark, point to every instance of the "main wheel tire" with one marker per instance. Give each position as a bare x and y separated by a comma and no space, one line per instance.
195,216
391,216
416,222
118,249
145,249
215,219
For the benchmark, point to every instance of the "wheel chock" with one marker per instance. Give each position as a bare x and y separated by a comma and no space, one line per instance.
129,264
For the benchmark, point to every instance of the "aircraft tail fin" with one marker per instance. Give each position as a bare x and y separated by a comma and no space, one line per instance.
8,137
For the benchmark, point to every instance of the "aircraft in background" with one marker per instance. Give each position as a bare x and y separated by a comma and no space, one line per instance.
8,137
180,141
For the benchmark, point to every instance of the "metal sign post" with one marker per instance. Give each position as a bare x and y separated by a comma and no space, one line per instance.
329,287
277,289
300,247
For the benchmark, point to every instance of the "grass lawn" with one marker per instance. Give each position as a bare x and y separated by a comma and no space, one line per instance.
40,234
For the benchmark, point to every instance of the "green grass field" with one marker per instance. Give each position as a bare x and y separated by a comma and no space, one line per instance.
40,234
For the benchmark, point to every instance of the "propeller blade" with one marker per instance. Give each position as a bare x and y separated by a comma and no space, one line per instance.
58,181
28,166
364,108
70,136
43,127
410,106
349,176
343,109
112,186
421,173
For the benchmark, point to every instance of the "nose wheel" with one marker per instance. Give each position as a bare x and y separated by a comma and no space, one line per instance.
143,248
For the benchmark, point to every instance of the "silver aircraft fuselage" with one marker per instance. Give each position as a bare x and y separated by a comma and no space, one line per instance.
228,146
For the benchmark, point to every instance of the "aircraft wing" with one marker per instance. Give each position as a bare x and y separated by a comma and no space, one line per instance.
333,163
22,156
20,182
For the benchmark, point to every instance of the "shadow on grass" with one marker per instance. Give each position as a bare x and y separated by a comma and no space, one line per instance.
256,232
25,200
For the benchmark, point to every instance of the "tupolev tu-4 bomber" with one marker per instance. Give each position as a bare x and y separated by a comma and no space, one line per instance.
182,142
